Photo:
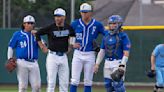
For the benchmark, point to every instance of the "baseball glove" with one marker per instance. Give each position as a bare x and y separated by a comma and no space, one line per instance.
151,74
11,64
117,75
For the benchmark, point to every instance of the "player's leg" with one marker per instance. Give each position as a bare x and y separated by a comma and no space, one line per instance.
63,74
52,69
88,72
22,75
159,79
77,66
119,86
34,77
108,85
107,79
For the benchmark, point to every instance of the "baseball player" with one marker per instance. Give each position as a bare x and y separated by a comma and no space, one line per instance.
87,30
57,62
27,55
157,65
115,47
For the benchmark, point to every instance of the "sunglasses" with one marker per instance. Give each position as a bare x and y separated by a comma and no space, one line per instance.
32,23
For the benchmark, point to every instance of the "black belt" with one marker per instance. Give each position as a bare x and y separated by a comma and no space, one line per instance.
57,53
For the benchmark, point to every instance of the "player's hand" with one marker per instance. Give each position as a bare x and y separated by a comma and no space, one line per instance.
152,67
96,67
122,67
33,32
76,45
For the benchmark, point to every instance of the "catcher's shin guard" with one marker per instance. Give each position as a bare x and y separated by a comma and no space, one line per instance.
108,85
119,86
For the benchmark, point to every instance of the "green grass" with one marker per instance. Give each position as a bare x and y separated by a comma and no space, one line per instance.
99,89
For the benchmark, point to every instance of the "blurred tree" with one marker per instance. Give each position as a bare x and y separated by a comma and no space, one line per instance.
42,10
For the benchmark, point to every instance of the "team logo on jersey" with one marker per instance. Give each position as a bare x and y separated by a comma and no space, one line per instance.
62,33
93,30
23,44
110,40
78,36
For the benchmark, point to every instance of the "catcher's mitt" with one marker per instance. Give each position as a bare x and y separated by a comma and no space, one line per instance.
11,64
117,75
151,74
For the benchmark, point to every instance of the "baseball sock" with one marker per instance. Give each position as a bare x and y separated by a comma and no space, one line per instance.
73,88
87,89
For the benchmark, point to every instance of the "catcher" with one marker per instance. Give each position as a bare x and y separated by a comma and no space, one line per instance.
115,47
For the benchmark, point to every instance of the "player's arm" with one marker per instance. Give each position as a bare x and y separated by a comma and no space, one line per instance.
152,62
10,52
73,39
12,44
126,50
125,57
38,35
153,55
100,56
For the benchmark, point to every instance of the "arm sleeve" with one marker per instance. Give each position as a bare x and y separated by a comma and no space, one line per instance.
100,56
156,51
41,32
13,41
102,43
126,43
10,53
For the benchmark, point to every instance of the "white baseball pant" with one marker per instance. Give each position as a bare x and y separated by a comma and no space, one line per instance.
57,65
80,60
28,71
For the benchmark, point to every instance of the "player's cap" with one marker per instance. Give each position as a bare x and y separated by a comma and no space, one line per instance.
59,12
29,18
85,7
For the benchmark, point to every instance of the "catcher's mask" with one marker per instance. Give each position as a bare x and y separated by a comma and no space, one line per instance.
115,23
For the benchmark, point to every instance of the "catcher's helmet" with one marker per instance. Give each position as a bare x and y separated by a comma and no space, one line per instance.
115,19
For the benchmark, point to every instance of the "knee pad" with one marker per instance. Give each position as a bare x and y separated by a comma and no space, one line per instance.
119,86
87,82
75,82
108,84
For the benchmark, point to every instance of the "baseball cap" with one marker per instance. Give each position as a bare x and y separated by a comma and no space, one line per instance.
85,7
59,12
29,18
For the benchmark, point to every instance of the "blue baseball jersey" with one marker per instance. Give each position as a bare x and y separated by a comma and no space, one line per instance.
85,34
158,52
25,44
114,45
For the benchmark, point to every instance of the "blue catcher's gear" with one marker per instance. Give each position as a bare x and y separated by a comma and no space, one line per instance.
115,19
